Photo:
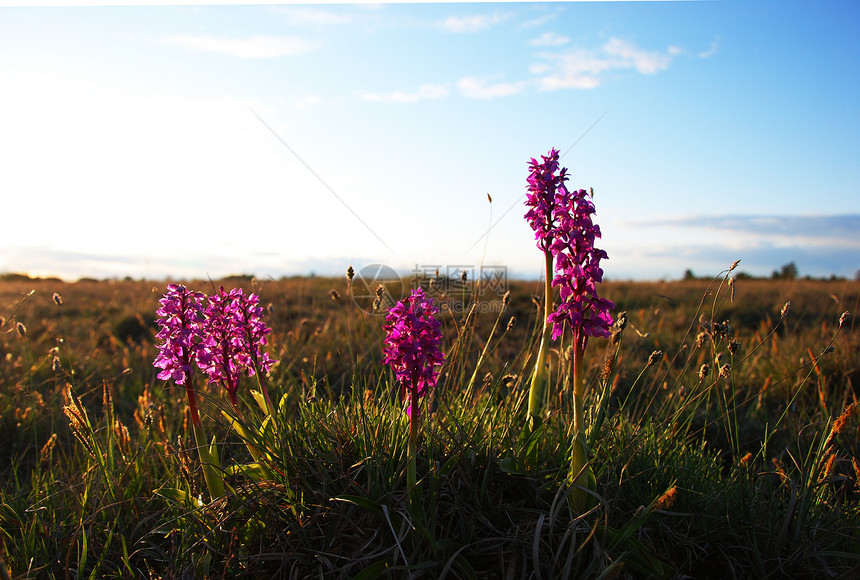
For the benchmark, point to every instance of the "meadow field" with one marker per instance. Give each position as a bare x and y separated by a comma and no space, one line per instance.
721,431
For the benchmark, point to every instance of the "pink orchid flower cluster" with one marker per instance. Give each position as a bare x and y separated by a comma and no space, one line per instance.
564,227
412,348
222,335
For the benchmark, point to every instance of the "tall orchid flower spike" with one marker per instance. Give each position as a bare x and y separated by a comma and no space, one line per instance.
225,359
546,196
248,318
412,350
181,319
183,325
235,335
584,312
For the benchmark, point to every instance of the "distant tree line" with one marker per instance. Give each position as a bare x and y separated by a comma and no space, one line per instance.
786,272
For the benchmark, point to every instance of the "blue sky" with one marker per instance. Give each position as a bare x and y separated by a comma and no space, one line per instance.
194,141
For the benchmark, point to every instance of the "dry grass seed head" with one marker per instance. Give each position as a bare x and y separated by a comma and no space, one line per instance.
828,467
734,346
47,448
608,369
846,415
621,321
856,472
840,422
123,437
185,464
107,398
667,500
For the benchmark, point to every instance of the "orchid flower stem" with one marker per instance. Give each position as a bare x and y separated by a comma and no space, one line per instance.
412,349
192,401
579,342
539,376
412,451
581,474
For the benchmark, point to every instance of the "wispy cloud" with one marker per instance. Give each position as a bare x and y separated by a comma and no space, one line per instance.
712,50
843,230
758,260
473,23
475,88
545,13
251,47
306,103
567,69
311,16
549,39
426,91
819,245
584,69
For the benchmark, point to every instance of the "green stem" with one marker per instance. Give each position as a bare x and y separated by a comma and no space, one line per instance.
579,342
412,451
580,472
539,375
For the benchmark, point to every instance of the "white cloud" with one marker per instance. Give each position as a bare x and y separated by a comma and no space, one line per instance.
475,88
252,47
313,17
542,19
839,231
539,68
710,52
583,69
474,23
549,39
644,61
307,102
426,91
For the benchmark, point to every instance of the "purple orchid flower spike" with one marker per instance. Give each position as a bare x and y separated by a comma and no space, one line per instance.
578,272
412,350
412,347
234,337
181,319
